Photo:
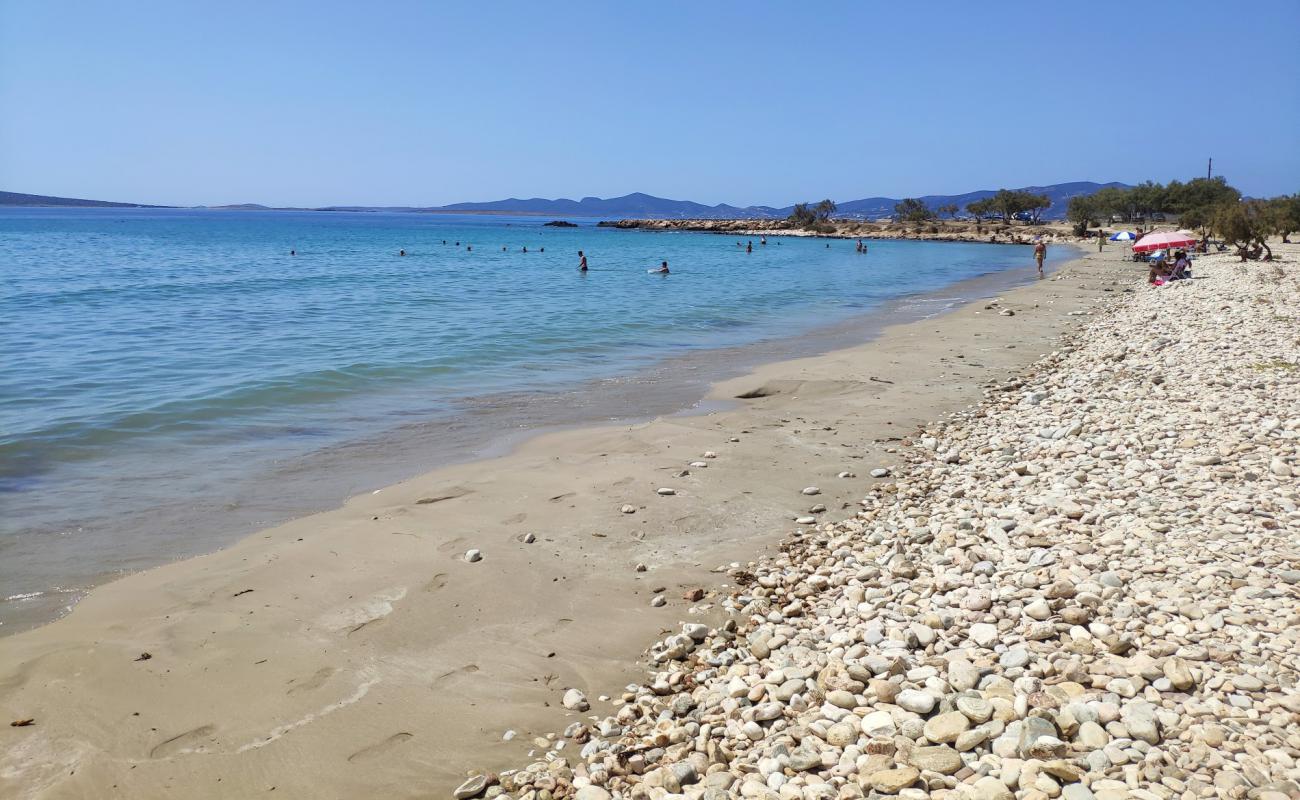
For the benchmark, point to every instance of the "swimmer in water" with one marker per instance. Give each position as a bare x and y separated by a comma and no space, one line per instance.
293,252
763,240
469,247
582,262
525,248
749,248
401,252
663,269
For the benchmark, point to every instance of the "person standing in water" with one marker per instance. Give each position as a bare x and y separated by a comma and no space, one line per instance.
582,262
1040,253
663,269
749,247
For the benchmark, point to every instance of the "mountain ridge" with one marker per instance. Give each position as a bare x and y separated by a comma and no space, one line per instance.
637,205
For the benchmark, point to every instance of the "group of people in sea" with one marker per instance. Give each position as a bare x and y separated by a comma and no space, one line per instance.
662,269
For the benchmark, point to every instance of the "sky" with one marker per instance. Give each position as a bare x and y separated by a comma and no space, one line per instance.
754,103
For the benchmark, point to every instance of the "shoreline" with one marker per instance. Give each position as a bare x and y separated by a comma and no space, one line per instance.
326,479
308,628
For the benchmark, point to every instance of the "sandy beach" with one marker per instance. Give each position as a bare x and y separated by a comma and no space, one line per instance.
359,653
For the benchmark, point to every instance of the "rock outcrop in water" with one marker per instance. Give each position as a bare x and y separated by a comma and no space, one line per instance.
939,231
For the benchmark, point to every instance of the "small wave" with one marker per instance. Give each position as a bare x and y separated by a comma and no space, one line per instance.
23,596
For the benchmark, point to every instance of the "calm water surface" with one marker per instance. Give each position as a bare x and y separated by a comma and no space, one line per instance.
170,380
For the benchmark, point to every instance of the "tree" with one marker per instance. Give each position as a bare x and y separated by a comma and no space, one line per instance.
824,210
1082,211
1200,193
950,209
1112,200
1007,204
913,210
1147,198
979,209
1035,204
802,216
1246,223
1286,213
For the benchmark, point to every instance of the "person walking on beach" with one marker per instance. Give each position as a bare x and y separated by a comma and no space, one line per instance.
582,262
1040,252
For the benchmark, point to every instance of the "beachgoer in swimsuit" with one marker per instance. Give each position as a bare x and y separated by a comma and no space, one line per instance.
582,262
401,252
1040,252
663,269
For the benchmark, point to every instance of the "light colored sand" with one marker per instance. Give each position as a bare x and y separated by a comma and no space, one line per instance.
369,660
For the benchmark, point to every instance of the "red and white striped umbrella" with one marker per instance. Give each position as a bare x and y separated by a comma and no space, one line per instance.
1163,241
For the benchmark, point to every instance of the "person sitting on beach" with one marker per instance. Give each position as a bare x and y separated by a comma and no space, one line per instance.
582,262
1157,274
1040,252
1182,268
663,269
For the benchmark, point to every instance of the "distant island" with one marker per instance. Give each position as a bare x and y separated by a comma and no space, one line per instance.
560,223
637,205
46,201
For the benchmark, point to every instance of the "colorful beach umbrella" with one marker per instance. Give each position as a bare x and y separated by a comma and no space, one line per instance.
1124,236
1161,241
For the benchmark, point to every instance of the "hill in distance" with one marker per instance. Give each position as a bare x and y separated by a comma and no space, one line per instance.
644,206
632,206
41,200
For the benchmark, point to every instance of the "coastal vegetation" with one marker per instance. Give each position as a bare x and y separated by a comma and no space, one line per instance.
814,217
1211,205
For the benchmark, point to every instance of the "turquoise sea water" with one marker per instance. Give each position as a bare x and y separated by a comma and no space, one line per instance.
160,369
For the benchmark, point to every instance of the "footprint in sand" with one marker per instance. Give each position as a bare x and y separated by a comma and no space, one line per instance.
455,674
379,748
188,742
316,681
436,582
515,519
455,545
446,494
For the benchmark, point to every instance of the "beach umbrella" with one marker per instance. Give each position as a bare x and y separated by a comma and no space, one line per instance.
1161,241
1124,236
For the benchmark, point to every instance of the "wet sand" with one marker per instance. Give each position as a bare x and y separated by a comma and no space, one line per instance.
356,653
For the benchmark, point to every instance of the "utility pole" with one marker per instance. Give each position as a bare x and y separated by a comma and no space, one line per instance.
1209,167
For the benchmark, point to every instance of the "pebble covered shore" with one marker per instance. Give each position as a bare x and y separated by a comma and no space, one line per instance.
1088,586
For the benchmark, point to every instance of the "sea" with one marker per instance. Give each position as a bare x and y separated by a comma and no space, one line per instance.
172,380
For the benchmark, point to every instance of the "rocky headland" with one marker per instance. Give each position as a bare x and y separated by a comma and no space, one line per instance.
940,231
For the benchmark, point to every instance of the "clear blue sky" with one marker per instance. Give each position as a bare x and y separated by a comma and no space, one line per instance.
311,103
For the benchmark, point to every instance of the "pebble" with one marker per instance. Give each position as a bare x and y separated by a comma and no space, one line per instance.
473,787
473,556
812,490
915,701
575,700
665,491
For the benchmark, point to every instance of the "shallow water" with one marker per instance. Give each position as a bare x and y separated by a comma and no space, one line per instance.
172,379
